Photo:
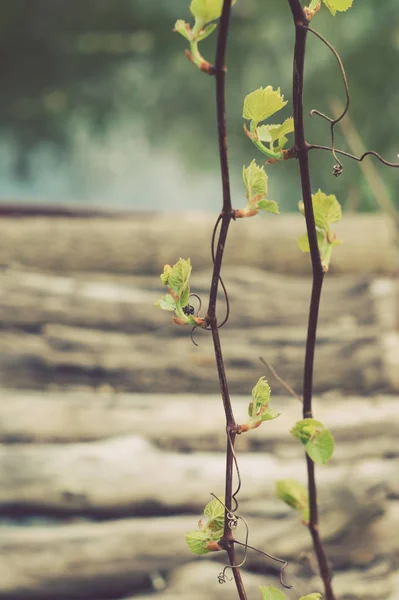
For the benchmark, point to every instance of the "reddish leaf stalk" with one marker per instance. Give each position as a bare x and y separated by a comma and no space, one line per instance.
226,214
302,149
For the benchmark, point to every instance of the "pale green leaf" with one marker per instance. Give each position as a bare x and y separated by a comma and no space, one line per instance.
183,28
269,592
166,303
304,429
314,596
206,32
268,205
178,280
268,414
326,209
260,397
282,142
197,541
262,104
271,133
321,447
338,5
255,180
164,277
214,510
207,10
303,241
317,439
292,493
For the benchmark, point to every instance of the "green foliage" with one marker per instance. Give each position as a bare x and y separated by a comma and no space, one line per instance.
262,104
333,6
255,181
295,495
259,106
177,280
338,5
276,133
214,510
205,539
207,10
327,210
269,592
259,409
317,439
204,12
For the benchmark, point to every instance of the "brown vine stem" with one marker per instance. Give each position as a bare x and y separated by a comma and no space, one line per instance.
301,24
227,541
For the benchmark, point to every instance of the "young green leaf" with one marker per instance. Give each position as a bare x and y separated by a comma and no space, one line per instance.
205,539
166,303
164,277
303,241
317,439
272,133
206,32
294,494
200,542
259,409
177,280
326,210
338,5
269,592
314,596
214,510
269,206
255,180
183,28
260,396
207,10
262,104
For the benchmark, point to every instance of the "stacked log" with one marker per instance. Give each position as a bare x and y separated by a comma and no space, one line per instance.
111,427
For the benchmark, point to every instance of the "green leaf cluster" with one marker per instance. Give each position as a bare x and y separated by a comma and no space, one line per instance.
295,495
327,210
259,106
333,6
204,12
317,439
177,280
259,409
207,10
269,592
255,181
205,539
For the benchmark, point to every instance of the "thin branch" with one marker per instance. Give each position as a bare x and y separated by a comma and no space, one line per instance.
220,72
338,168
225,216
301,29
353,157
333,122
285,385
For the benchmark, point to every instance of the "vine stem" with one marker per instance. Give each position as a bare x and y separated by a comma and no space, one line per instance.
227,541
302,148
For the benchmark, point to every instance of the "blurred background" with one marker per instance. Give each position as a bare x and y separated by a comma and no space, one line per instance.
99,104
111,425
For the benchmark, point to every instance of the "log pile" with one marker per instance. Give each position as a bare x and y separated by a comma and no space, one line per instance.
146,473
111,426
